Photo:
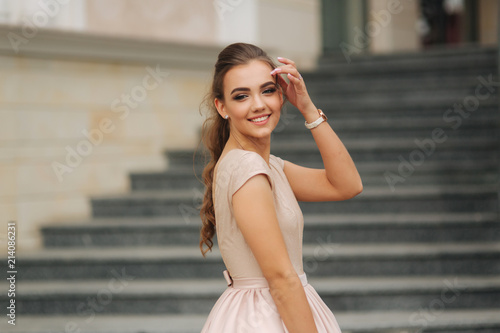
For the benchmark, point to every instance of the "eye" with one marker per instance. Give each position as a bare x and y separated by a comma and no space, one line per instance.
239,97
270,90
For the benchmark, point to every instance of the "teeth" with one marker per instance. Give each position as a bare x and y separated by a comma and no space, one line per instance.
256,120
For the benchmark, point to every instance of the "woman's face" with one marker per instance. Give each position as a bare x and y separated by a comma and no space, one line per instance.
252,100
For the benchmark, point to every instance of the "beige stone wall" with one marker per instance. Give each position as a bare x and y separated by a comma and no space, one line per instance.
488,22
291,28
286,27
56,86
46,107
393,25
191,21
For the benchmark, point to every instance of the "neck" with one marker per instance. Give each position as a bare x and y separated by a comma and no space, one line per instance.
259,146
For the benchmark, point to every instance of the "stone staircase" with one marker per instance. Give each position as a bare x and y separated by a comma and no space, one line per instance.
417,251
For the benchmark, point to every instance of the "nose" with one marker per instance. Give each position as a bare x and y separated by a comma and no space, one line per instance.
258,104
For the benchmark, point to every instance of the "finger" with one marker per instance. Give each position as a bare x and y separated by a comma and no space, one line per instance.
277,70
282,83
286,69
286,61
293,79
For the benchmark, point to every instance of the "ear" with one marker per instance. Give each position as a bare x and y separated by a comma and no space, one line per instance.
220,107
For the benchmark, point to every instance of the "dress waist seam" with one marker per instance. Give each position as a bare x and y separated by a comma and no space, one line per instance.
255,282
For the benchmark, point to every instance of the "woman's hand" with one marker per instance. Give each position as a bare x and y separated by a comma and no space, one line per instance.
295,90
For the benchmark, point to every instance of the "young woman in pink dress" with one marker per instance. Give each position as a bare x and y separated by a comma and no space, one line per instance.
251,196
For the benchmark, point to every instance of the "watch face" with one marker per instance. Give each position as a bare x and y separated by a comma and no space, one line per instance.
323,115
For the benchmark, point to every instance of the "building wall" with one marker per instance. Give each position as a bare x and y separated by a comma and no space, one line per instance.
488,22
74,124
289,28
187,21
393,25
292,29
397,29
65,134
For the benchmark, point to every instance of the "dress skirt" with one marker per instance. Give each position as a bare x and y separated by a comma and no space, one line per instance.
247,306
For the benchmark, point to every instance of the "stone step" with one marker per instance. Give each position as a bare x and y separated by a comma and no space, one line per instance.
319,83
426,320
413,199
325,228
423,70
349,109
171,179
420,151
166,181
436,52
400,101
466,60
320,260
453,95
476,126
298,134
106,323
479,199
181,162
197,296
186,179
306,152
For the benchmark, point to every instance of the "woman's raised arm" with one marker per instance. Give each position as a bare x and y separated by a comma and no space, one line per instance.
339,180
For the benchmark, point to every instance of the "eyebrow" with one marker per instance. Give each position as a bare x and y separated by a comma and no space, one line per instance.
247,89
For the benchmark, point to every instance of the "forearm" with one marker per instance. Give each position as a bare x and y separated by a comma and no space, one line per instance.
339,166
293,307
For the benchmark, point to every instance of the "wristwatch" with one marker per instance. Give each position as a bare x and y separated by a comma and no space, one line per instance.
314,124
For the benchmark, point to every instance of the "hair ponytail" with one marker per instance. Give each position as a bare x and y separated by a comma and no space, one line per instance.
215,133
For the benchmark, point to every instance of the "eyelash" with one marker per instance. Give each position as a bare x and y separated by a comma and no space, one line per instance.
267,91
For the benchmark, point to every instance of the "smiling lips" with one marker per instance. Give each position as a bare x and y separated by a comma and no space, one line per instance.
260,119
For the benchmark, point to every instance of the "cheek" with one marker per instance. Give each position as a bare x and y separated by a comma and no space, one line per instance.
275,103
238,111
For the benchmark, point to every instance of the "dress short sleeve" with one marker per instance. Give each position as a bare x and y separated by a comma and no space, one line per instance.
277,161
239,167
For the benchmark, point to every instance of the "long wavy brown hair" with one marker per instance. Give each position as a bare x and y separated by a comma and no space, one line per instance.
215,131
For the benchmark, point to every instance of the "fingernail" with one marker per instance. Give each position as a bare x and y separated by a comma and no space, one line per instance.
280,57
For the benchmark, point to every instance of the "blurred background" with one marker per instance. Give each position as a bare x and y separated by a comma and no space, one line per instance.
99,119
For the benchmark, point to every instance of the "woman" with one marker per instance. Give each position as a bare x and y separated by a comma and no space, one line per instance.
251,196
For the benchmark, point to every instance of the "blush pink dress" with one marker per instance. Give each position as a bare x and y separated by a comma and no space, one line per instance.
246,305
